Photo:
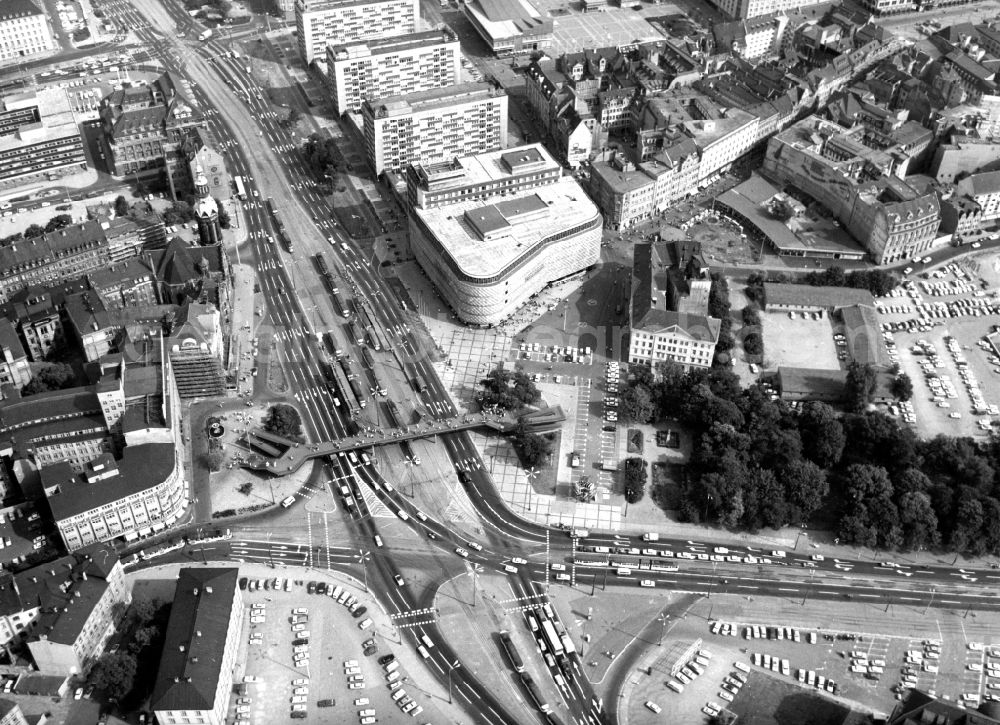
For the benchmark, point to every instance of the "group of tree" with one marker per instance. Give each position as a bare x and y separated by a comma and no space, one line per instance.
225,221
719,307
508,390
126,676
53,376
877,281
284,420
180,212
634,479
753,339
532,448
322,155
758,463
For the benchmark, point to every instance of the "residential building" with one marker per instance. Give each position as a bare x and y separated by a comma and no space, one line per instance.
51,258
920,708
497,228
24,30
195,678
822,161
14,369
745,9
753,38
984,189
434,125
629,193
143,125
90,325
127,236
670,321
35,312
393,66
144,489
509,26
11,714
39,135
66,609
324,22
683,140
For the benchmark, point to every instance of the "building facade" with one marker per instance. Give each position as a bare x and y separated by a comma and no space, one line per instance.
323,22
195,677
890,218
144,125
39,136
368,70
984,189
435,125
499,227
14,369
23,30
670,290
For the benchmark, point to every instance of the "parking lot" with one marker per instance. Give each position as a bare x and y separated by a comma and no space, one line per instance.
798,341
321,671
937,328
872,669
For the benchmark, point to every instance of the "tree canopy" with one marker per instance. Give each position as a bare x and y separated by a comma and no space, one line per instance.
508,390
284,420
54,376
759,463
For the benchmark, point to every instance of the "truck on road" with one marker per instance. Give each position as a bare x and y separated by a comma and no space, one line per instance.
205,35
651,537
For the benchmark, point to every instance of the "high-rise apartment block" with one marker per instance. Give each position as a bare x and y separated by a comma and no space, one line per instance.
435,125
368,70
744,9
323,22
23,30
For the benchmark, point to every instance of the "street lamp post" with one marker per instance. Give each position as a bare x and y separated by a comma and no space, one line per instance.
363,557
452,666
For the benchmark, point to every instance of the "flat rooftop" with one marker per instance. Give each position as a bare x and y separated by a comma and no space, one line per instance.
434,98
393,44
508,18
805,234
483,168
57,120
528,218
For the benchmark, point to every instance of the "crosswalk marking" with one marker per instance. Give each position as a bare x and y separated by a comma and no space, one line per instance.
407,625
521,599
414,613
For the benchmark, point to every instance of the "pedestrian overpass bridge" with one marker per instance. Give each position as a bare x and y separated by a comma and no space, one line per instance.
281,456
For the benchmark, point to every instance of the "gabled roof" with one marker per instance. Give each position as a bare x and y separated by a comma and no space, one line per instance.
196,637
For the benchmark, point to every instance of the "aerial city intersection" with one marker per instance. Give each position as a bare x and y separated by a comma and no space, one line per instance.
499,362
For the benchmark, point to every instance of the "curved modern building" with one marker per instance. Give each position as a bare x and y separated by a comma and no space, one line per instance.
494,229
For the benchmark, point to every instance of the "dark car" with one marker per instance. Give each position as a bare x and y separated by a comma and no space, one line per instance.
311,587
386,659
298,715
326,703
297,642
369,651
359,612
243,582
321,588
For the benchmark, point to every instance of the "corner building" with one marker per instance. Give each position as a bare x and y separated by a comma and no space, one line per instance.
494,229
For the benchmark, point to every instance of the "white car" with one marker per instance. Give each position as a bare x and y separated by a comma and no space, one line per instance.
654,707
